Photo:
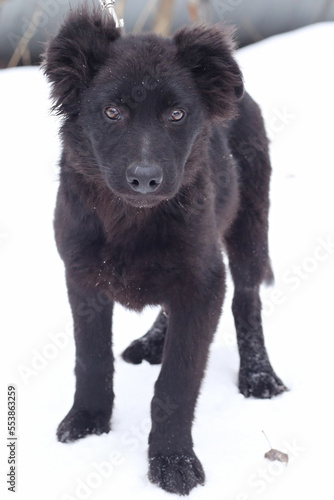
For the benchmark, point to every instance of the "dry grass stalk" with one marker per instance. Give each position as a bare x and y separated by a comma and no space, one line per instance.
150,7
193,9
120,8
163,19
22,47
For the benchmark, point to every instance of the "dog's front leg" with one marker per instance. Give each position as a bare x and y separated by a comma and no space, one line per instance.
192,321
92,407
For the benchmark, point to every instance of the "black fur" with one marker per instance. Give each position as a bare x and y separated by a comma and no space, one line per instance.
161,245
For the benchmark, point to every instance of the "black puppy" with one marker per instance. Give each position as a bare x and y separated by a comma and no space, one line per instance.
165,159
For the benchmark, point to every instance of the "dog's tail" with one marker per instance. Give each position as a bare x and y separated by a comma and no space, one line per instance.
269,278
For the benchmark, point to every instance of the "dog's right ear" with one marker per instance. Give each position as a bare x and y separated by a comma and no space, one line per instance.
75,55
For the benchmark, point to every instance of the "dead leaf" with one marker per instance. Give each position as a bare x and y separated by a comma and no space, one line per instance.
277,455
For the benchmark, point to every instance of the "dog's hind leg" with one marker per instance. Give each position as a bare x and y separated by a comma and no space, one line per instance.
150,345
249,265
247,246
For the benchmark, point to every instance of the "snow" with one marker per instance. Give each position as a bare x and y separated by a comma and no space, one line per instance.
292,77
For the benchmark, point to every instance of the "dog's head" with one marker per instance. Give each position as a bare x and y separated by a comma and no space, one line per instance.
135,107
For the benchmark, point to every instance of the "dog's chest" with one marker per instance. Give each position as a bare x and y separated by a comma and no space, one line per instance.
137,277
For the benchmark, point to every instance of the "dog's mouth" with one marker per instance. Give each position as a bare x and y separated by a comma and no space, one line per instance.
144,201
147,200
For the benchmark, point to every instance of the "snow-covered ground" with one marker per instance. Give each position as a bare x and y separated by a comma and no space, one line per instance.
292,77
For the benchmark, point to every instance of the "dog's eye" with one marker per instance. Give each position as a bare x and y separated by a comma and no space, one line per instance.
112,113
176,115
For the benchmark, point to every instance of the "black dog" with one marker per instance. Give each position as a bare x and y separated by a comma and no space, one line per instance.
165,159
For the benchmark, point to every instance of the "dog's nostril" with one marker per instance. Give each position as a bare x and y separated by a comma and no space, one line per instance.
144,179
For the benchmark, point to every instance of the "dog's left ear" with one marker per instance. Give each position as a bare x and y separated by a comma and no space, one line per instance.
208,53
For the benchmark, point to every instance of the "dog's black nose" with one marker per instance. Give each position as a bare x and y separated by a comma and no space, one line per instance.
144,178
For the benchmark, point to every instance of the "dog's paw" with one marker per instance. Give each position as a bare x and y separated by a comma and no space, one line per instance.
140,350
178,473
79,423
260,384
